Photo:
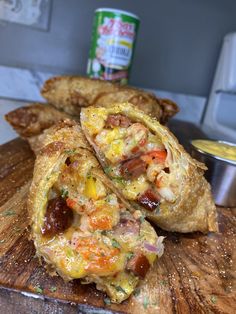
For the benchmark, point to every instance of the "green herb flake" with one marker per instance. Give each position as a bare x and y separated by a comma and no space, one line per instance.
145,302
142,218
119,180
107,301
137,292
214,299
108,170
69,253
8,213
38,289
115,244
163,282
108,198
157,210
64,193
130,255
69,151
53,289
120,289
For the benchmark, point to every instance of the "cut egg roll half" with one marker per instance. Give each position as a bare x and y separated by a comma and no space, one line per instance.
150,168
81,226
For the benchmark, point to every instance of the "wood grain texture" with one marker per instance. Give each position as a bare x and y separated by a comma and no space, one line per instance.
195,275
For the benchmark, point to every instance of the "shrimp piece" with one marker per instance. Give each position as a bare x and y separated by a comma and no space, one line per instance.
137,136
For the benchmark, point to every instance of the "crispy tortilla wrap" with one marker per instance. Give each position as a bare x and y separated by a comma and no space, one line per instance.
81,226
30,121
151,169
70,93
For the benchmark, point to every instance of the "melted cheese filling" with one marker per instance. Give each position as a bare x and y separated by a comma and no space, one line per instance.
90,246
118,144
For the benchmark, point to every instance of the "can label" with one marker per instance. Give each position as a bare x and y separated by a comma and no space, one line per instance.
113,41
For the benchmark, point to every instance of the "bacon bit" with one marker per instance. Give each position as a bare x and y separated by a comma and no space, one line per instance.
115,120
139,265
132,168
58,217
158,156
149,200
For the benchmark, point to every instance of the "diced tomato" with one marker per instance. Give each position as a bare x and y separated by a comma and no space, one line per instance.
71,203
158,183
156,156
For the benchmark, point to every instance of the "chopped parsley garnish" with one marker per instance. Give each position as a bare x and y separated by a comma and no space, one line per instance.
70,151
130,255
107,301
120,289
38,289
119,180
163,282
53,289
145,302
214,299
115,244
8,213
142,218
108,170
108,198
64,193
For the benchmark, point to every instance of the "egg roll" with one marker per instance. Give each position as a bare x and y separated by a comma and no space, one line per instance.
30,121
71,93
150,168
81,226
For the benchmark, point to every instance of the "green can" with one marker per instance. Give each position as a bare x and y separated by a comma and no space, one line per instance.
113,43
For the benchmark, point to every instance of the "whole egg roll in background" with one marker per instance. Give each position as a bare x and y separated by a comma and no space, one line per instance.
71,93
81,226
30,121
151,169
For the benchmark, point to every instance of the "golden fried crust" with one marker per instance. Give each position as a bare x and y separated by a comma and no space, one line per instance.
65,135
194,209
71,93
57,143
31,120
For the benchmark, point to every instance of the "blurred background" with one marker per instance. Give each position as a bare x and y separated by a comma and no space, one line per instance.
178,48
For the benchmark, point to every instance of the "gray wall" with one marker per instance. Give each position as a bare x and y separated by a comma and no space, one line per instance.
177,49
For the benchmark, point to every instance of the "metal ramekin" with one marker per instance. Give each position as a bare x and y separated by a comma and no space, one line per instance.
221,174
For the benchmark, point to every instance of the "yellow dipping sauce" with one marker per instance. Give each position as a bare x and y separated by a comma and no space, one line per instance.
222,150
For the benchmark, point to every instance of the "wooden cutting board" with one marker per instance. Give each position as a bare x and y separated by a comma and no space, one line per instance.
195,275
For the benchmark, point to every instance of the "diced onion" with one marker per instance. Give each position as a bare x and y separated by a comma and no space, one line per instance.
167,194
158,249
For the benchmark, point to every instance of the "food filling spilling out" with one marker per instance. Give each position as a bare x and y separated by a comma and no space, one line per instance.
137,160
91,234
